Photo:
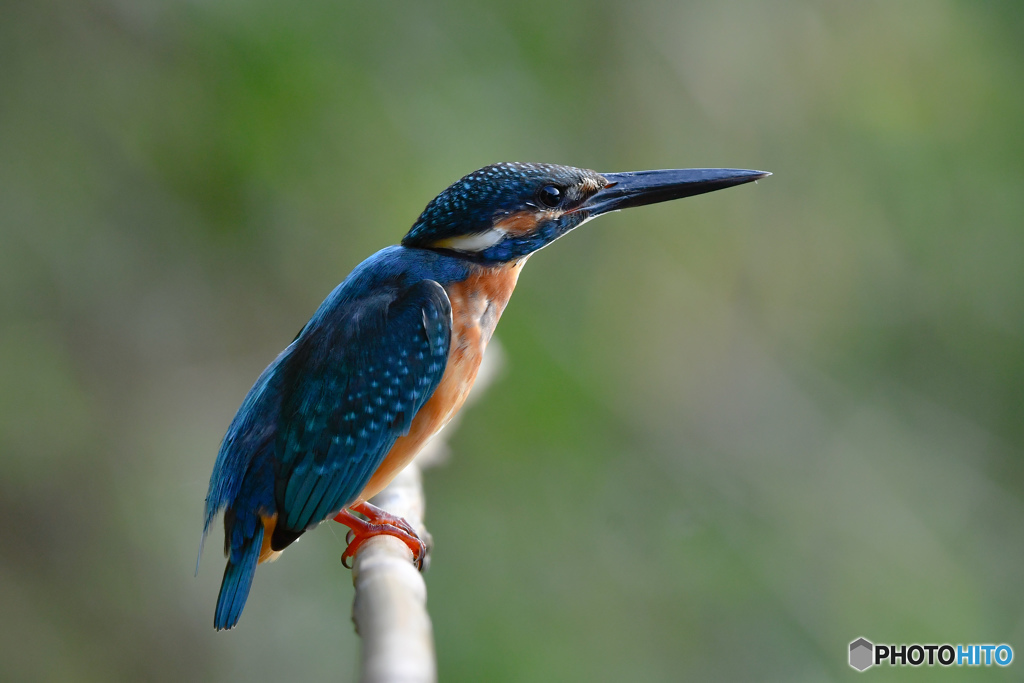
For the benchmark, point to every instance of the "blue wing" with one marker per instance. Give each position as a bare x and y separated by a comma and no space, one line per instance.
352,384
320,419
243,481
250,435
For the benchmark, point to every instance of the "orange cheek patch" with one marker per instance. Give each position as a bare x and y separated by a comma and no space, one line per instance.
519,223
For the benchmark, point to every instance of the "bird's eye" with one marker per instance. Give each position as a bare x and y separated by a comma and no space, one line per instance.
550,196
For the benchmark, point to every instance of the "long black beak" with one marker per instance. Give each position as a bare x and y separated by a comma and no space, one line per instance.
637,188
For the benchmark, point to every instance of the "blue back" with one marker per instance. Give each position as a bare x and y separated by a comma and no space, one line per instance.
321,418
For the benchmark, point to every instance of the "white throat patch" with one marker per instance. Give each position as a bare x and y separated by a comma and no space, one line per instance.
473,243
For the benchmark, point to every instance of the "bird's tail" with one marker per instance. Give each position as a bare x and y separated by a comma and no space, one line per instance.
234,589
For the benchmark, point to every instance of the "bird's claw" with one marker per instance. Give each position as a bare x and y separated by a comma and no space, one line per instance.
378,523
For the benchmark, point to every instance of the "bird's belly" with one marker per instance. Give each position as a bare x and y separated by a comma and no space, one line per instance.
477,303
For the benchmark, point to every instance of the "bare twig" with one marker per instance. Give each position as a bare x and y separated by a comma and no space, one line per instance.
390,606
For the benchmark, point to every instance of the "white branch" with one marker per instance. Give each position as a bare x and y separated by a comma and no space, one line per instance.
390,606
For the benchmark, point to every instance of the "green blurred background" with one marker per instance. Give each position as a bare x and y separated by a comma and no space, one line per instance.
733,433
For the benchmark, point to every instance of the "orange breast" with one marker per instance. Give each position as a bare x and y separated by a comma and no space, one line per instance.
477,303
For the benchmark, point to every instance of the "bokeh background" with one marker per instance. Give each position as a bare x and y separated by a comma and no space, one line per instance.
733,433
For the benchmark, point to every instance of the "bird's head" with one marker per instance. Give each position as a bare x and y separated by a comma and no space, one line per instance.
506,211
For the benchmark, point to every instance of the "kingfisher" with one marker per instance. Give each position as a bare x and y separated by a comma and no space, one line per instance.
391,354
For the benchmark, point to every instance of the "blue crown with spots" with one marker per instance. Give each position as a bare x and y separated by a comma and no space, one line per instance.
472,204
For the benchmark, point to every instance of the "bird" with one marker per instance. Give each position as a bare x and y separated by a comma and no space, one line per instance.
390,355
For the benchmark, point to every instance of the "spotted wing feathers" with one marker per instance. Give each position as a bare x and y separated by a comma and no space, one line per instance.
355,385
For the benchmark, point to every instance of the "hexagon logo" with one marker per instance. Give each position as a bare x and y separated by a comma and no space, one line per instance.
861,654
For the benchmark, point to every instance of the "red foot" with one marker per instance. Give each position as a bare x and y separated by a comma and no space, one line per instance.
378,522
